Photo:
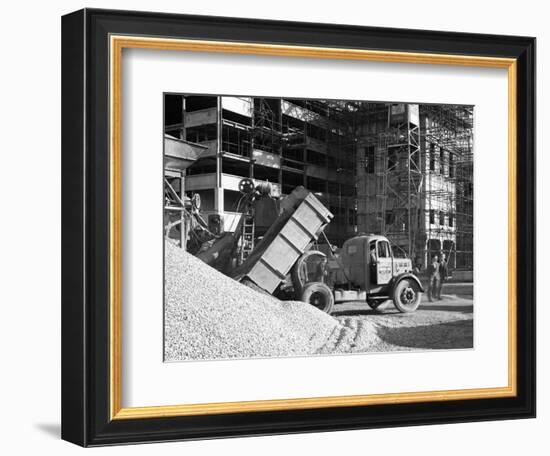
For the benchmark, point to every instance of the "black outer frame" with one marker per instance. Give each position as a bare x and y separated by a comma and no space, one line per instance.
85,227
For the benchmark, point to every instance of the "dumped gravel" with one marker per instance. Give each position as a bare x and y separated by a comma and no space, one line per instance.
210,316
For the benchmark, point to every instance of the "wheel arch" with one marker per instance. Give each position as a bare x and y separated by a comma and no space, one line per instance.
295,270
406,275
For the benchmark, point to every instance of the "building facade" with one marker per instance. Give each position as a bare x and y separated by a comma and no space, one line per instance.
285,142
402,170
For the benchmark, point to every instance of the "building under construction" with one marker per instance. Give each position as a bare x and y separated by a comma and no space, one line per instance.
414,178
403,170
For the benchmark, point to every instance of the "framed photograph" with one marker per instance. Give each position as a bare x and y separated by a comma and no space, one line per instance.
279,227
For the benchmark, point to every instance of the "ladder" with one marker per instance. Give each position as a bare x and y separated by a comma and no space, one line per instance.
247,234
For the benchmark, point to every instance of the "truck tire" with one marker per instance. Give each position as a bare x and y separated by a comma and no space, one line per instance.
406,295
318,295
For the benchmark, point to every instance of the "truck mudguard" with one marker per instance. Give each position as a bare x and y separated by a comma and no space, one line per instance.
406,275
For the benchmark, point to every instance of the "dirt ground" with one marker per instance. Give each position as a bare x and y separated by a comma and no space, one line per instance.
444,324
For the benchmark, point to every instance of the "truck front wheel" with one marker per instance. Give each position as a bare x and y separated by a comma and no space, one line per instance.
318,295
406,296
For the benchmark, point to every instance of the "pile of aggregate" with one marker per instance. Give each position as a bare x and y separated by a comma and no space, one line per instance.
208,315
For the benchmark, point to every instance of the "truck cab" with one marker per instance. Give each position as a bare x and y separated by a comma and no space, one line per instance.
370,267
366,269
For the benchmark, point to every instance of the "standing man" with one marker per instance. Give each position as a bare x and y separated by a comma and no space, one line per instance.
321,271
443,274
433,278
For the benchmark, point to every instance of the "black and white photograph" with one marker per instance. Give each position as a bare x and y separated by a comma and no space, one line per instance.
274,228
303,227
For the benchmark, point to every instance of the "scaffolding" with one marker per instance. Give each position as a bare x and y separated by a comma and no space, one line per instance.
266,126
449,139
415,179
318,141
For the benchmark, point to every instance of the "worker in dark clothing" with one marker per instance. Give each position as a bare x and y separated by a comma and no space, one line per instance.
321,270
433,278
443,274
417,269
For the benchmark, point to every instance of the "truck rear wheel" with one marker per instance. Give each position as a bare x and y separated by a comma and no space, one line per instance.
406,296
318,295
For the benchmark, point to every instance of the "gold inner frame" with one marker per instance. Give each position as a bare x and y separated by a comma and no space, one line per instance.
117,44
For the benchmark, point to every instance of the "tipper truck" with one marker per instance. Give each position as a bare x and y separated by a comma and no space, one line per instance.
365,270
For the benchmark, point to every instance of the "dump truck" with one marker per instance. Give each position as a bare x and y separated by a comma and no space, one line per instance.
365,270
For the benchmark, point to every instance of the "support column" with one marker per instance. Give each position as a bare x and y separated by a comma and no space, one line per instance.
253,112
280,145
218,200
218,190
183,132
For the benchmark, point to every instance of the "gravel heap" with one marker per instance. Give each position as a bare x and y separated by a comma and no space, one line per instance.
211,316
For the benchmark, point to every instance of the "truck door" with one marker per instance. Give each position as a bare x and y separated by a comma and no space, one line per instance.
384,265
